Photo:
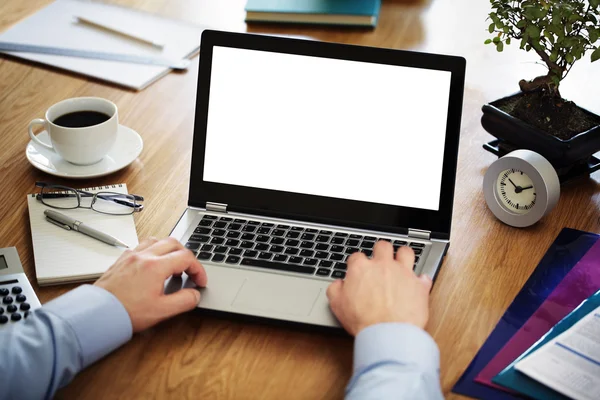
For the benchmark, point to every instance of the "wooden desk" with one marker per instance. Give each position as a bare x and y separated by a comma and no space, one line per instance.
198,357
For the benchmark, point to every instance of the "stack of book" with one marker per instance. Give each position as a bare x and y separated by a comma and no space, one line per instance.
323,12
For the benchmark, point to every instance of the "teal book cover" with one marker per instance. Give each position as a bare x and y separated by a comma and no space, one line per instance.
338,12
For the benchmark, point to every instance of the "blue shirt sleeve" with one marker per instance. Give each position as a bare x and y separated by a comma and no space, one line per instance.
395,361
44,352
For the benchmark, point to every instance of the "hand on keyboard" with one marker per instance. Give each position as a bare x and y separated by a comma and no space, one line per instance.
137,280
381,289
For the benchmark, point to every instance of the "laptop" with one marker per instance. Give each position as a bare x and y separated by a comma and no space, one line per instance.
305,152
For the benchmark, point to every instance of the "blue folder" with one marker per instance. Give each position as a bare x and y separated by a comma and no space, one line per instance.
520,382
568,248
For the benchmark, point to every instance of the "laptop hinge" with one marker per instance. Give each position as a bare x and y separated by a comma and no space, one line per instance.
216,207
419,234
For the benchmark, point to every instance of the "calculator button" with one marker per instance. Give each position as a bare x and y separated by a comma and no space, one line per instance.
11,308
15,317
3,319
1,310
17,289
7,300
4,292
25,306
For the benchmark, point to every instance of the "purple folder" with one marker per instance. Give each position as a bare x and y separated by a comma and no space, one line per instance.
568,248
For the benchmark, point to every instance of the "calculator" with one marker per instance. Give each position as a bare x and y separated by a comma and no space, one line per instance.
17,298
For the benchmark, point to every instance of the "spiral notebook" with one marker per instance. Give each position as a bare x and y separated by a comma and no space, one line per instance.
63,256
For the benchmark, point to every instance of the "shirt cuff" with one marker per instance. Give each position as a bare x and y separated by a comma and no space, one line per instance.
395,342
99,320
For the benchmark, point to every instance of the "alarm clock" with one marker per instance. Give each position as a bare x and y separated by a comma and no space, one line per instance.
521,187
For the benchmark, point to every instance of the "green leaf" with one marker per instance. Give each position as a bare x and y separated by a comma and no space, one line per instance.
554,56
594,34
533,31
596,54
491,27
522,23
594,3
487,41
523,43
527,47
507,41
569,58
496,40
499,46
499,24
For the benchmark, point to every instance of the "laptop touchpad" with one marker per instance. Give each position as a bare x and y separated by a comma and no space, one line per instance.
285,297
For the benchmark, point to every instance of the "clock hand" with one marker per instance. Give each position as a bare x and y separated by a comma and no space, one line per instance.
513,183
528,187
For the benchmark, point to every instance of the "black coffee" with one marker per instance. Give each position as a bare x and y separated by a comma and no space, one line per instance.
81,119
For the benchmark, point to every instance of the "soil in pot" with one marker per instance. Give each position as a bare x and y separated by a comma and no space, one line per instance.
555,116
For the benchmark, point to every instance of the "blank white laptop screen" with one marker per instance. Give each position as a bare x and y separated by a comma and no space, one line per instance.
336,128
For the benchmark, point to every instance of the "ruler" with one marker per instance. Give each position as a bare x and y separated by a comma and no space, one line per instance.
98,55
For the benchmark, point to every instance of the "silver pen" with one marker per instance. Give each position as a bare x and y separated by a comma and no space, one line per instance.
68,223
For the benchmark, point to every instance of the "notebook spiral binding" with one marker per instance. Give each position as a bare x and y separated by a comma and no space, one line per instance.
90,189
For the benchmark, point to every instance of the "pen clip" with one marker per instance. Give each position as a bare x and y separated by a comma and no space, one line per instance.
67,227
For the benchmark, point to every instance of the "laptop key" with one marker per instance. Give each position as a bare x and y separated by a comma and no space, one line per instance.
249,228
310,261
219,224
250,253
352,250
232,242
204,255
386,239
310,230
325,233
322,246
322,238
307,236
240,221
292,234
235,227
295,260
291,251
337,249
283,227
297,228
235,252
355,236
352,242
337,240
248,236
263,230
192,246
265,255
340,265
341,234
370,238
336,257
418,251
208,247
255,223
218,258
232,260
322,255
278,266
217,240
323,272
220,249
267,225
247,245
307,245
202,231
226,219
292,242
400,243
205,222
277,240
415,244
261,246
233,234
338,274
262,238
367,244
219,232
368,252
416,259
278,232
209,217
280,258
307,253
325,263
276,249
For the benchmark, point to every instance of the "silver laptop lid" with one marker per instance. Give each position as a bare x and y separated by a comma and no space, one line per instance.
324,132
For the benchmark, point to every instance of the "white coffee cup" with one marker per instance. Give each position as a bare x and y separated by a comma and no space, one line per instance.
85,145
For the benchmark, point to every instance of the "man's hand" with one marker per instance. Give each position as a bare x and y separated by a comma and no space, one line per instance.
381,289
137,279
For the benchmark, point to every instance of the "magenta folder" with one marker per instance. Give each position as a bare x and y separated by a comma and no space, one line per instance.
579,284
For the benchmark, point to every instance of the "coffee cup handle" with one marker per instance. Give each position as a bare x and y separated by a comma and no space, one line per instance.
38,121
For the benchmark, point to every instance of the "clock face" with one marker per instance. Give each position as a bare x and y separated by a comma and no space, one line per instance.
515,191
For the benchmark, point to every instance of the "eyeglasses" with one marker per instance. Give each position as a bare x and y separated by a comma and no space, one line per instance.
64,197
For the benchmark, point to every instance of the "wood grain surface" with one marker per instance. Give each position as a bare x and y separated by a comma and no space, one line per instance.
196,356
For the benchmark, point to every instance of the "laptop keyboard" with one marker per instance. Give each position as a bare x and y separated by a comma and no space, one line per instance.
290,248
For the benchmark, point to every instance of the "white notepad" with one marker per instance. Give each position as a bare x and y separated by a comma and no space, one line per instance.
56,26
63,256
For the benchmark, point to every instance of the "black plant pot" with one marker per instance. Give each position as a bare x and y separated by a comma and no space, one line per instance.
571,158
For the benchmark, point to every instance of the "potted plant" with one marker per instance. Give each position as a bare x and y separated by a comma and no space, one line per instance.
538,118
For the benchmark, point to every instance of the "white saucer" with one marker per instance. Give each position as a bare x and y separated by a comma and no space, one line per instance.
127,148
